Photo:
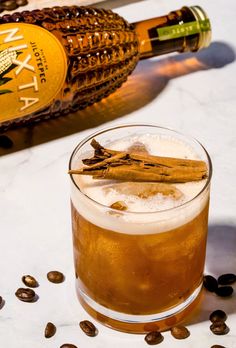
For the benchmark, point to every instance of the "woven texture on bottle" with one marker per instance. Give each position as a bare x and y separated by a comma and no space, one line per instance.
101,49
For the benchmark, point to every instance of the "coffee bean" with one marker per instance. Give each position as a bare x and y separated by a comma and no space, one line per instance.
25,295
210,283
68,345
154,337
219,328
5,142
217,346
30,281
180,332
227,279
218,315
2,302
88,328
50,330
55,277
224,291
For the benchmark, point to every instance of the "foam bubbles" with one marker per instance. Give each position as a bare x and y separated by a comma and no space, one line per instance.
106,192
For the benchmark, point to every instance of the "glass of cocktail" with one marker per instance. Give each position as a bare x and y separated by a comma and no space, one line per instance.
139,242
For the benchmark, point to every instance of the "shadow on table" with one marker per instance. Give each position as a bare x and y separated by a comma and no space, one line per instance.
221,258
145,84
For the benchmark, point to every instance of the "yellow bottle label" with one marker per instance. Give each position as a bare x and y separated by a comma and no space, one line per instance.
33,68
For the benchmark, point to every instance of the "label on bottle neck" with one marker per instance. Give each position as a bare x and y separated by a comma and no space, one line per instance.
184,29
33,68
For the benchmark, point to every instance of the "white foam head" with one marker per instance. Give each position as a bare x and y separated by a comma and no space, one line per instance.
156,213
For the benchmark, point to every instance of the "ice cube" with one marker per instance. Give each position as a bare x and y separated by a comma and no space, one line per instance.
138,147
144,190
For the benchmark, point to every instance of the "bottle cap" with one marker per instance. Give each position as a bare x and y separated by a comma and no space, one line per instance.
204,24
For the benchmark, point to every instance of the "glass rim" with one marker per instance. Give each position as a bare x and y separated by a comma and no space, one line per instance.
105,130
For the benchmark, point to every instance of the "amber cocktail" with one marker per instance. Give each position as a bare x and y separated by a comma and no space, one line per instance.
141,266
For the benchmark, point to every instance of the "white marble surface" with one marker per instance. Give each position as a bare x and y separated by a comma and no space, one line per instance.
195,94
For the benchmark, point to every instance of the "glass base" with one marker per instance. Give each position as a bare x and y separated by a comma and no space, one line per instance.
139,323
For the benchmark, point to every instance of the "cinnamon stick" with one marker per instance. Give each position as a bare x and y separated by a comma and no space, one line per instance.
125,166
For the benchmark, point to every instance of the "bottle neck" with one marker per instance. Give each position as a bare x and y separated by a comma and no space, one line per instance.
184,30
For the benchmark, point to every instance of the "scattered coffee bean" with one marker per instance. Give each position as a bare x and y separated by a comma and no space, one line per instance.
217,346
218,315
68,345
227,279
26,295
55,277
30,281
180,332
154,337
219,328
224,291
88,328
5,142
50,330
2,302
210,283
119,205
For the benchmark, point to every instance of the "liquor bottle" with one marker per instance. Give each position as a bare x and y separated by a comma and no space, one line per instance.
62,59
